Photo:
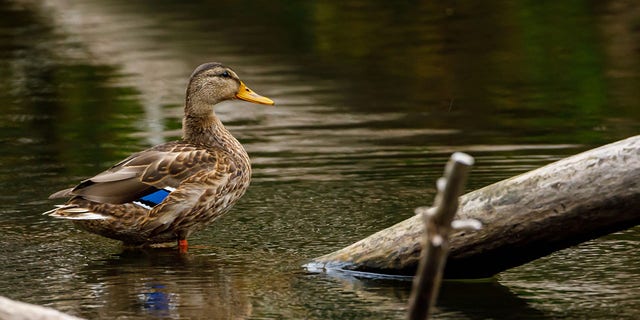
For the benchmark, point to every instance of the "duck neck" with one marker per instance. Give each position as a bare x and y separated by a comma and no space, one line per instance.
208,130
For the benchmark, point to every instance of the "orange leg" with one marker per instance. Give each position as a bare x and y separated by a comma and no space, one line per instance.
182,245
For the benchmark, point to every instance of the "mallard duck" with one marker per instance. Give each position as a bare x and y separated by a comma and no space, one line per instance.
167,192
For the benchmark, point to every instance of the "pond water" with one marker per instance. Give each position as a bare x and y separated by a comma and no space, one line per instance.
371,99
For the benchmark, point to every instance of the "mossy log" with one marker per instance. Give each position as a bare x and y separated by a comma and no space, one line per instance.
567,202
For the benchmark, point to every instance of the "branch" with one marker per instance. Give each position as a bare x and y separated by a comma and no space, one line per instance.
438,224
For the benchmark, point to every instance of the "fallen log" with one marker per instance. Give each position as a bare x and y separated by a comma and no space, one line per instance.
16,310
567,202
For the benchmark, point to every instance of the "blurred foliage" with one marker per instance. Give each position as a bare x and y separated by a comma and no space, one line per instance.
56,110
533,71
526,67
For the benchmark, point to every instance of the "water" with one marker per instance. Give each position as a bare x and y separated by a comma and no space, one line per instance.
371,100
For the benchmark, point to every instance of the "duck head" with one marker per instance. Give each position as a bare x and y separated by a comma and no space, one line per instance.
212,83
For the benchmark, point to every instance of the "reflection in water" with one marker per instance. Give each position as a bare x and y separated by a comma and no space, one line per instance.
460,299
578,278
162,283
484,299
372,97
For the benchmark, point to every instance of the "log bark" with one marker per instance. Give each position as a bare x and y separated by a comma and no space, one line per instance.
570,201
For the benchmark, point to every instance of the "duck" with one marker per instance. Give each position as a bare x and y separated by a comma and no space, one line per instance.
167,192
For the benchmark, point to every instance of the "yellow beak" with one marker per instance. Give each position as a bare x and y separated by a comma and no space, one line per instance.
246,94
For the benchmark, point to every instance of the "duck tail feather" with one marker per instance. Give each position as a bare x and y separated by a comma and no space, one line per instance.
74,212
66,193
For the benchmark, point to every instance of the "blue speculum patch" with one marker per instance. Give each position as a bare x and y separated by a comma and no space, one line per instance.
153,199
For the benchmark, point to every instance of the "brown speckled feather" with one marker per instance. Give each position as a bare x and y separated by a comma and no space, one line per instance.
166,165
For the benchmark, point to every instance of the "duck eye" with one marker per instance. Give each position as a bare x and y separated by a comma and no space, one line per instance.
225,74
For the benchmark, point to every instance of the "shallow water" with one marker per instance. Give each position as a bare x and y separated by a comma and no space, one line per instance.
371,100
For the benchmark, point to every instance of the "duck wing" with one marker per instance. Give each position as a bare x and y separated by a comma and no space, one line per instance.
142,174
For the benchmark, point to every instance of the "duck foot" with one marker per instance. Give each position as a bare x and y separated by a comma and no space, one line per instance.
183,245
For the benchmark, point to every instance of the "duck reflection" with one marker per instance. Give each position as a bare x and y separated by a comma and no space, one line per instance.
157,301
164,283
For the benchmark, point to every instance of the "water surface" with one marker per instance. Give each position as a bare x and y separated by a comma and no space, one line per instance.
371,100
